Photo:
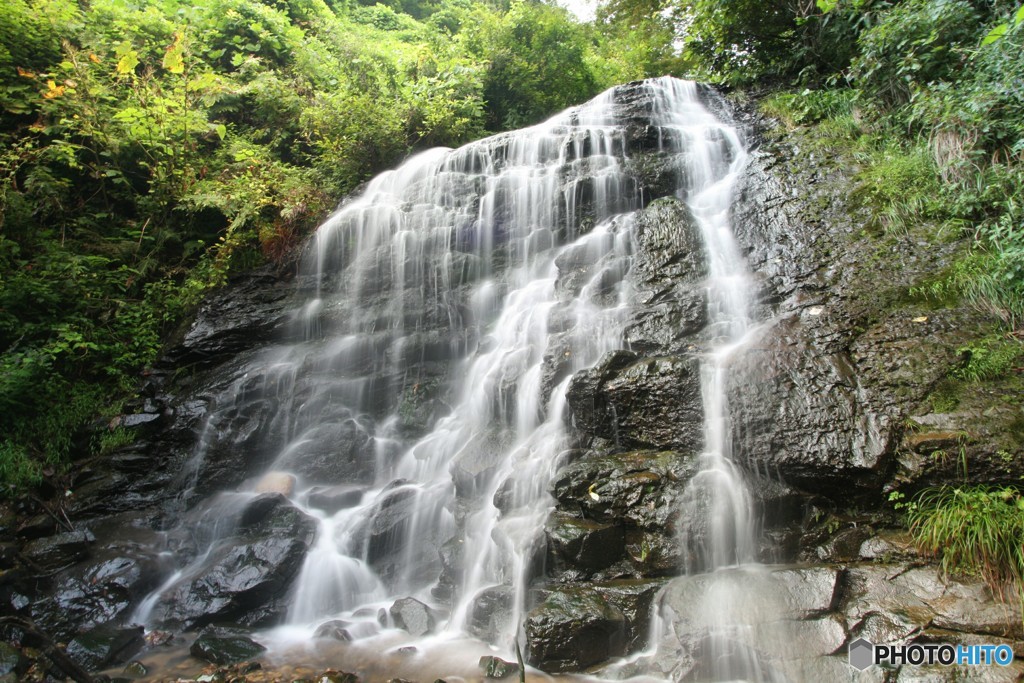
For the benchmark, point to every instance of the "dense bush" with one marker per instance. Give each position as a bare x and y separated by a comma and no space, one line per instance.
914,43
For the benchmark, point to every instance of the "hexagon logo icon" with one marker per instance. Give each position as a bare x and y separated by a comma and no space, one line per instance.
862,654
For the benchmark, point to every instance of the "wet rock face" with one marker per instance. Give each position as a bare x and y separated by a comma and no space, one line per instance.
386,534
848,352
255,309
492,611
801,413
639,402
103,586
104,646
631,496
96,593
60,551
583,543
801,620
820,401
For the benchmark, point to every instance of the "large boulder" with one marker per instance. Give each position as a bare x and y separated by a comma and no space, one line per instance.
247,575
572,630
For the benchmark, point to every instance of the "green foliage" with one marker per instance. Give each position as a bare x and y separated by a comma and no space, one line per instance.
901,186
975,530
810,106
537,59
987,281
17,469
110,440
30,35
914,43
936,126
736,39
989,358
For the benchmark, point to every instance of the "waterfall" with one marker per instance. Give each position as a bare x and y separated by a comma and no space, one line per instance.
420,416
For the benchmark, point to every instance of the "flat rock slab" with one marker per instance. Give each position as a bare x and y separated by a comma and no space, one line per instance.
893,603
760,594
60,551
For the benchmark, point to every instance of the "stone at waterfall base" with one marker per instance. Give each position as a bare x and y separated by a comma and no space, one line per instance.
572,630
221,646
413,616
495,667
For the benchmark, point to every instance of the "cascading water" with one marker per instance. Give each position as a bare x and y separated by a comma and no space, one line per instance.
717,525
421,418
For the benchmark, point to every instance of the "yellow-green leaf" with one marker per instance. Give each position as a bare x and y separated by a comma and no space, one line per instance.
129,60
222,130
174,58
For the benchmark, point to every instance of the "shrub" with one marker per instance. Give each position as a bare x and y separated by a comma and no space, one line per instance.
976,530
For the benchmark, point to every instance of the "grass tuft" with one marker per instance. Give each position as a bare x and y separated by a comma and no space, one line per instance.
976,530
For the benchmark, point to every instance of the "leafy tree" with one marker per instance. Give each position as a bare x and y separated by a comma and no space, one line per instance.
537,57
914,43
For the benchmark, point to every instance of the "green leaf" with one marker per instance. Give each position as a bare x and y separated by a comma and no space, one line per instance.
826,6
995,34
1018,18
222,130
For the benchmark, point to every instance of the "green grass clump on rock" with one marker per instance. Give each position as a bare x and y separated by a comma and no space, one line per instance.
977,530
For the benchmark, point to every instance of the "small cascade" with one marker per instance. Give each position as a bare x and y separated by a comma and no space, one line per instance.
406,440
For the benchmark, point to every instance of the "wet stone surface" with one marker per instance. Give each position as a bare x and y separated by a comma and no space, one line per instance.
574,629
